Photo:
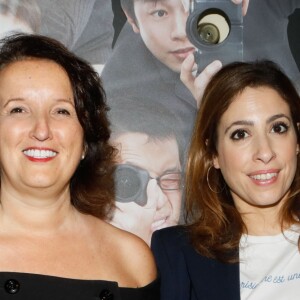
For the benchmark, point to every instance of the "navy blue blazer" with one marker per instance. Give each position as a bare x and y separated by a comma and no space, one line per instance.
187,275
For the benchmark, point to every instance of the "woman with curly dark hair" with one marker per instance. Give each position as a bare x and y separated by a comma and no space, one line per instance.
57,184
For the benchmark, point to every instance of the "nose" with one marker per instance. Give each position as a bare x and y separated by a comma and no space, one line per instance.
179,26
264,151
41,129
163,203
155,193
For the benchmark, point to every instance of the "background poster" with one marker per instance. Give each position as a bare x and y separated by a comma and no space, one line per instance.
139,56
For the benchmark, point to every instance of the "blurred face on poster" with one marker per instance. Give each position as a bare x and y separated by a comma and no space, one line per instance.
161,25
11,24
156,203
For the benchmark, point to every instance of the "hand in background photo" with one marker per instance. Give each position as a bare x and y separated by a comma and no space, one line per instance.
19,16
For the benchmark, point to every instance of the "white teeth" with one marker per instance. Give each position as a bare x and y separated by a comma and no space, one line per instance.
39,153
264,176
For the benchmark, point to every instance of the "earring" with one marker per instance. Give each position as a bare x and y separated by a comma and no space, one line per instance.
209,186
84,152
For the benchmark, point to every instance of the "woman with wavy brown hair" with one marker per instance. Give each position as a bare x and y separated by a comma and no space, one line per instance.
242,193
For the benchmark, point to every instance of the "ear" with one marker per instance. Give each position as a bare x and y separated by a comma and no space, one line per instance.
216,162
132,22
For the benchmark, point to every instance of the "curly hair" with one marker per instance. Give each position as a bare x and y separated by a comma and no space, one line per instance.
91,186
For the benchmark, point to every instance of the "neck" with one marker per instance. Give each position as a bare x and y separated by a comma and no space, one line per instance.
263,221
39,212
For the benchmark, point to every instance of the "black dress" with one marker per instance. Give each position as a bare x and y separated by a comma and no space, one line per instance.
26,286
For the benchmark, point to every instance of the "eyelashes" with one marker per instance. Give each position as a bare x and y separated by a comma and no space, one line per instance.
280,127
17,110
239,134
160,13
277,128
63,112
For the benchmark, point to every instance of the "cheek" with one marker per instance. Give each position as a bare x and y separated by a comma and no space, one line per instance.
291,160
74,134
288,154
226,158
174,198
151,37
232,162
176,206
290,151
10,135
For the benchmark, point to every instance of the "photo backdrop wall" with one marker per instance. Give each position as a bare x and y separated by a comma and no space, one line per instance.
138,50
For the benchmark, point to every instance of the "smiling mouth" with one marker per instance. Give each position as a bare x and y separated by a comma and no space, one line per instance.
39,154
263,177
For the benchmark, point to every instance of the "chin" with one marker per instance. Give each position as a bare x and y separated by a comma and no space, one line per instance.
39,183
176,69
265,203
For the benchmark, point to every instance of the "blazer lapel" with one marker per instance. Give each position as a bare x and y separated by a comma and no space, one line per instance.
211,279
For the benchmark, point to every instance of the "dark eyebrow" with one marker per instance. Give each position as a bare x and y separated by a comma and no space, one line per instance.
242,122
275,117
251,123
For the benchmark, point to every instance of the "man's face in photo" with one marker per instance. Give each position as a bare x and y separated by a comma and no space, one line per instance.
159,205
162,26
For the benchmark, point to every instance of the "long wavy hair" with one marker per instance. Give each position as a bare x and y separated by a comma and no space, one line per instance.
91,186
216,225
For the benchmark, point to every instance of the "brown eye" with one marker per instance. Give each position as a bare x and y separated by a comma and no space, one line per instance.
17,110
239,134
280,128
63,112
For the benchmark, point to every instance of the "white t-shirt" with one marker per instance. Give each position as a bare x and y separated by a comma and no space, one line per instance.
270,266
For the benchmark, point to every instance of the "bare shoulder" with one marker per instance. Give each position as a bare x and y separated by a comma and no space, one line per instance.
132,255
